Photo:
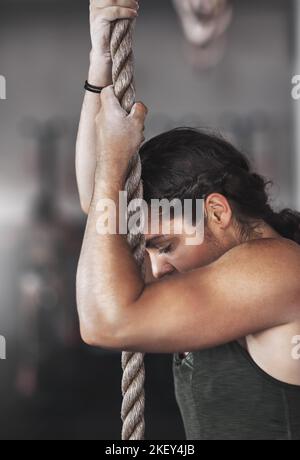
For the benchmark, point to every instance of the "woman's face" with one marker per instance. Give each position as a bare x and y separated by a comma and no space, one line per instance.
170,253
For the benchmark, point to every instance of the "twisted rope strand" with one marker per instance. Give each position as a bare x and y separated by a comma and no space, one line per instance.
133,392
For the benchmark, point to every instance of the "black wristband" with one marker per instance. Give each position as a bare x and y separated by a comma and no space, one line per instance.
92,88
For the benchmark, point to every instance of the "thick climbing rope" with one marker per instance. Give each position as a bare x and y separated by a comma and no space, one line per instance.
133,406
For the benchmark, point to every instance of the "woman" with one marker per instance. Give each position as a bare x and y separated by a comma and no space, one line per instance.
229,308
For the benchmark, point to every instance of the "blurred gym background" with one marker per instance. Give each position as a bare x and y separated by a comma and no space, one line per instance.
51,385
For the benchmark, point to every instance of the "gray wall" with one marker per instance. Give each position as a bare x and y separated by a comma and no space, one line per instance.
44,56
44,47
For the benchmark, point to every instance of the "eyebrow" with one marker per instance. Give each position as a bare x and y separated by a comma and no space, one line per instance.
152,242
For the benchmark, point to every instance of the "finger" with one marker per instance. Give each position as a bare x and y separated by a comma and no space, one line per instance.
110,3
109,101
116,12
139,112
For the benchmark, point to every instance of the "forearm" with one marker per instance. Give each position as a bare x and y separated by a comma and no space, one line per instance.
108,279
99,75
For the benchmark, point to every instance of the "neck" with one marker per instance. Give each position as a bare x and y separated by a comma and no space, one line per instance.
261,231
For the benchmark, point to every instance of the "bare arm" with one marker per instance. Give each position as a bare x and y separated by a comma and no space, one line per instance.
102,13
112,126
99,75
243,292
213,305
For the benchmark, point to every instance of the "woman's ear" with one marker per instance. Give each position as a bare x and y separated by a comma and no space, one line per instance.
218,210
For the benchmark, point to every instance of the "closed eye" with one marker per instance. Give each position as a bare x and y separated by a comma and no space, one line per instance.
166,249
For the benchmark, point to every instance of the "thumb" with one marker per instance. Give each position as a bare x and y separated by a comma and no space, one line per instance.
139,112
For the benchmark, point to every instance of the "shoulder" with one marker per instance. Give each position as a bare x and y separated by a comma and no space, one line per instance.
279,252
271,266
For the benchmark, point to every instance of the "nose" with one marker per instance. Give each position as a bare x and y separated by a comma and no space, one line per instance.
160,267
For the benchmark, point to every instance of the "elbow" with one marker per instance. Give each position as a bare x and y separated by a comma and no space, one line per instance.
89,337
102,327
96,337
102,333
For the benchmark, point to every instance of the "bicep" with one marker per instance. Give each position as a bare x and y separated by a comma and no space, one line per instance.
227,300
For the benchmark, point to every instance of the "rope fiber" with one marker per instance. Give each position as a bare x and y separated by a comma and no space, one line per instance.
133,407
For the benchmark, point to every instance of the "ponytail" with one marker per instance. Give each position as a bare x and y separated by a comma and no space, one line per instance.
286,223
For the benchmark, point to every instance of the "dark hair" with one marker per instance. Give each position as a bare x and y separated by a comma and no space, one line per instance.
186,163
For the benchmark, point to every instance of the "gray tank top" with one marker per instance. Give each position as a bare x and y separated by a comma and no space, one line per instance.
223,394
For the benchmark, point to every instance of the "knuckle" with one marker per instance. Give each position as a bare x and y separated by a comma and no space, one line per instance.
115,10
143,108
